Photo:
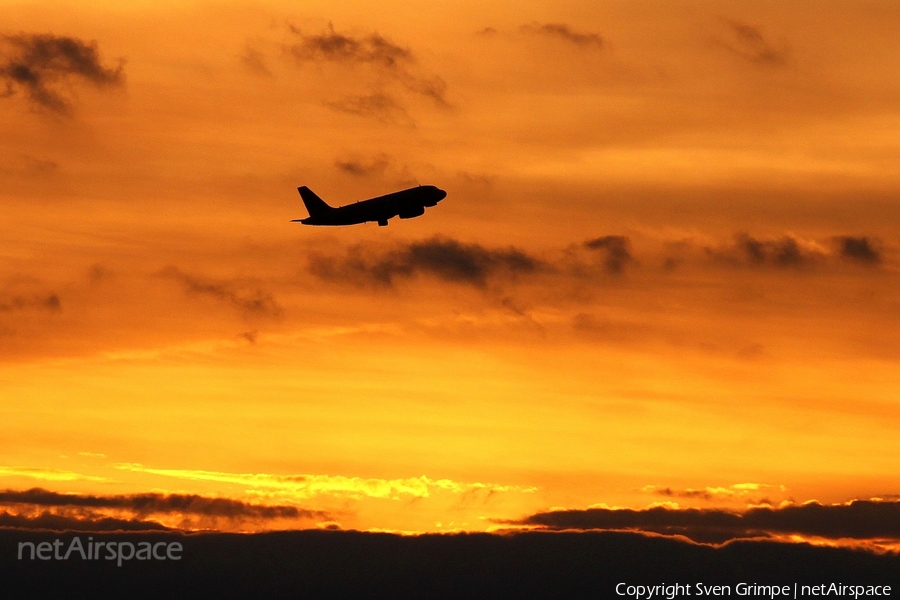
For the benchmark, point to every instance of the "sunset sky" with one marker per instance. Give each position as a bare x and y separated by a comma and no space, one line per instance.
666,271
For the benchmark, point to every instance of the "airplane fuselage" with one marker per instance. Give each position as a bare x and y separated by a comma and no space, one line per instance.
405,204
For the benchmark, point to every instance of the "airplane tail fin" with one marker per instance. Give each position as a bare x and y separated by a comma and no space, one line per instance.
315,205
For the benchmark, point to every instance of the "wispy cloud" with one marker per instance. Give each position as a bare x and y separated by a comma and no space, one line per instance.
739,490
308,486
47,474
564,32
748,42
378,105
245,296
381,60
49,302
339,47
362,167
255,60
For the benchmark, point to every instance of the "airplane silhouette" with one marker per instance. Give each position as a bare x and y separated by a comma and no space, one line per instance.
405,204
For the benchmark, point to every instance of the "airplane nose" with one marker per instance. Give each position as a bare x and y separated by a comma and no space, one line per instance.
441,194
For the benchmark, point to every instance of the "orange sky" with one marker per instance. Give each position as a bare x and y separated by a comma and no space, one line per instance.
667,259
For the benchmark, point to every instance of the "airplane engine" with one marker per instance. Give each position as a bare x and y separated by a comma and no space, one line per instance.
412,211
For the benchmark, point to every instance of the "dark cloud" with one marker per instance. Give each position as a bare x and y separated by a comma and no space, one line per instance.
786,251
374,51
748,42
616,250
861,519
859,249
244,296
53,522
670,493
44,65
143,505
446,259
792,251
471,263
49,302
333,46
608,255
783,252
563,31
361,167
